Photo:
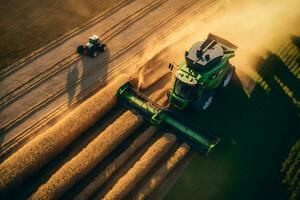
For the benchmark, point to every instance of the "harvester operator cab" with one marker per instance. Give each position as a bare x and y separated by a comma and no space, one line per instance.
185,85
206,67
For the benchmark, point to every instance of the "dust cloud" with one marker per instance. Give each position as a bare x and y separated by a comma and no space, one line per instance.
255,26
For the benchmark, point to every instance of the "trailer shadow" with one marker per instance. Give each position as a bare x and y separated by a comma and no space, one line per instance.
256,131
72,78
94,70
89,73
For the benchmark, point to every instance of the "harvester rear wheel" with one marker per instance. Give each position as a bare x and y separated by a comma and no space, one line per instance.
204,101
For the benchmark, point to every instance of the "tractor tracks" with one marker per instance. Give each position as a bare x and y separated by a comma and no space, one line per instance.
73,58
63,64
15,141
34,55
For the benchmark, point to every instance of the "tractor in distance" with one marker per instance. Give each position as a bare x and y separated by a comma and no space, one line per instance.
205,69
93,47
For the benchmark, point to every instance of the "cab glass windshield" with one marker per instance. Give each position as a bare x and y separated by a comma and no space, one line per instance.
183,90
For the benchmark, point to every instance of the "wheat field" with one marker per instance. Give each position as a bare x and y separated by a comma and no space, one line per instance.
162,172
126,183
75,169
104,175
54,140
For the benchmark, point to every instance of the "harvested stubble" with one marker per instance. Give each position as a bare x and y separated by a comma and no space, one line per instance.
97,182
163,171
126,183
48,144
89,157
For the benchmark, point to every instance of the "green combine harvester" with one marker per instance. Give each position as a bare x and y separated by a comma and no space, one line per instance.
206,69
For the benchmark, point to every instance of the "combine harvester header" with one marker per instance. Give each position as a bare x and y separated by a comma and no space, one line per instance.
164,118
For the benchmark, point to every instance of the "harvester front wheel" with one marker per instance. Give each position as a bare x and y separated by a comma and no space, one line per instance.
203,102
80,49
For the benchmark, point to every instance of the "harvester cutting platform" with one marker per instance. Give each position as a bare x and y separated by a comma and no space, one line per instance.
206,68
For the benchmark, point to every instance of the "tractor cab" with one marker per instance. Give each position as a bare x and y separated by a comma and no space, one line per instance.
94,40
90,47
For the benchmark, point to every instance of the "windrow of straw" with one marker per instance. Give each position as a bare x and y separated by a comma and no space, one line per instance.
124,169
117,130
126,183
50,143
98,181
161,94
75,169
148,77
163,171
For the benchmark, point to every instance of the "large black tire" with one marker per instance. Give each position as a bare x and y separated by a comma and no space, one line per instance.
80,49
103,47
204,101
227,78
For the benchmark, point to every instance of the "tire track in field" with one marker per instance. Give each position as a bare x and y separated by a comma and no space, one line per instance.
38,53
75,57
64,63
32,130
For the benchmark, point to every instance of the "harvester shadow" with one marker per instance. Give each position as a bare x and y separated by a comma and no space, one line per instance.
256,133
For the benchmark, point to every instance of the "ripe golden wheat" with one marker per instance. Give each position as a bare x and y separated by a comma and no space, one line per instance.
48,144
126,183
97,182
162,172
89,157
